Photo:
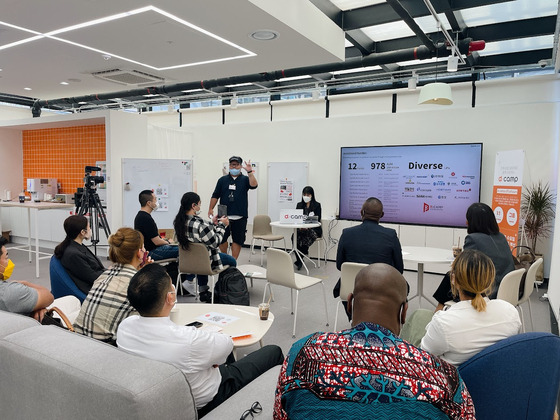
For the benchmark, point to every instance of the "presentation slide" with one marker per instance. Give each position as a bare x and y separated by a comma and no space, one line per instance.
422,185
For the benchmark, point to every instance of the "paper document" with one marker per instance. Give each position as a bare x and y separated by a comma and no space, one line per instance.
217,318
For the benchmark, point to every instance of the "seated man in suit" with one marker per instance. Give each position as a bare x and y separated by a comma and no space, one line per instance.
369,242
367,371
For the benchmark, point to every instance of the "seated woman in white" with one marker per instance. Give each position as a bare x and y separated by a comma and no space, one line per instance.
476,322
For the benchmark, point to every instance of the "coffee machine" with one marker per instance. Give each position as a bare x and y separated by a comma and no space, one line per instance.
38,187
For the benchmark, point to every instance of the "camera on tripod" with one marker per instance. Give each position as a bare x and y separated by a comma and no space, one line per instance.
90,181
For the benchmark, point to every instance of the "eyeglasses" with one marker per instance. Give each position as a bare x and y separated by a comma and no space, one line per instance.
256,408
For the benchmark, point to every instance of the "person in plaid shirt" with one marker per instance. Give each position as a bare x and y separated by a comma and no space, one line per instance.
106,304
190,227
367,371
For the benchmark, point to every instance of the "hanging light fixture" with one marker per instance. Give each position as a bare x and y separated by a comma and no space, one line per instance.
436,93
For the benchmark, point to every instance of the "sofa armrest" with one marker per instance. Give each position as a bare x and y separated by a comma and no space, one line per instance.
261,389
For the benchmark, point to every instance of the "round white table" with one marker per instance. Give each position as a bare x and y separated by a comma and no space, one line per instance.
422,255
247,326
295,227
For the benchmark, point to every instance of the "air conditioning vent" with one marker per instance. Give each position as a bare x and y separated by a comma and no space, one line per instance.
128,77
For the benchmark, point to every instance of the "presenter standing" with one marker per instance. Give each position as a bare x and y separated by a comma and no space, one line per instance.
232,191
306,237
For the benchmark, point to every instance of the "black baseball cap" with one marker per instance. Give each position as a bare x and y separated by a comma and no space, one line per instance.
236,159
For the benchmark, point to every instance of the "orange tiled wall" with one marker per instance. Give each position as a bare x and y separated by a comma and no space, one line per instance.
62,153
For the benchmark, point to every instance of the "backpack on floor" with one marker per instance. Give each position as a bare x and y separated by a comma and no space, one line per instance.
231,288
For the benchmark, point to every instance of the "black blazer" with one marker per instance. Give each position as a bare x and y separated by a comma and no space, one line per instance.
82,266
316,210
369,243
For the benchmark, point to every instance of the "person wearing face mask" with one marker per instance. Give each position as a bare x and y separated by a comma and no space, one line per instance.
106,304
232,190
368,371
190,227
159,248
369,242
26,298
76,258
306,237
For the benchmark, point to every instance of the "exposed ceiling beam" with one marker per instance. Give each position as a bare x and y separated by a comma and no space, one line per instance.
411,23
361,41
514,59
384,13
515,29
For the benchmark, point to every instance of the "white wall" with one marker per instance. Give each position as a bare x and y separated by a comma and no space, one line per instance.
12,162
509,114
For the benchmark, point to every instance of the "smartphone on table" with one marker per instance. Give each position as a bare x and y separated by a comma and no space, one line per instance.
196,324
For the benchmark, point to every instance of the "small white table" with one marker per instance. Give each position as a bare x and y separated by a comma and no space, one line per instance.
422,255
36,207
295,227
248,322
251,271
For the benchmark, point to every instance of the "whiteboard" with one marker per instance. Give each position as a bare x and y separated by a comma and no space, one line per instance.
288,174
168,178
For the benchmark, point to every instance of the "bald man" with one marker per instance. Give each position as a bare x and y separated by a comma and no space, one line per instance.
369,242
367,371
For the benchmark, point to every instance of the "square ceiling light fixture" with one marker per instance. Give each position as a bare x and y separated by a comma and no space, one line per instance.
55,35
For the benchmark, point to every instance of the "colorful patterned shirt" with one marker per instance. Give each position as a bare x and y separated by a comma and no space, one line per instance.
367,372
106,304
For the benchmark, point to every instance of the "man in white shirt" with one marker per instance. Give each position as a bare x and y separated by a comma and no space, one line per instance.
205,357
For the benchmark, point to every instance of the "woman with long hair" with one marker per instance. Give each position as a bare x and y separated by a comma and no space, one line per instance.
483,235
307,237
190,227
76,258
475,322
106,304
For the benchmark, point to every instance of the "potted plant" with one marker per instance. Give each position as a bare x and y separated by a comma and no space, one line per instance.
537,206
538,210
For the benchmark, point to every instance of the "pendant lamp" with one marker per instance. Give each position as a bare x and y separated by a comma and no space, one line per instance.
436,93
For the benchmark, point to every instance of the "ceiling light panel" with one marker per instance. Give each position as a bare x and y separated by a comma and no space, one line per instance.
507,11
361,69
518,45
388,31
428,24
289,79
354,4
166,39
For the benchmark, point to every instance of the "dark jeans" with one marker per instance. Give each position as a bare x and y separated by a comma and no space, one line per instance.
238,374
165,251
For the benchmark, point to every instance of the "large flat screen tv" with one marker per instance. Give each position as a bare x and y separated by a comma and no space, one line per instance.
431,185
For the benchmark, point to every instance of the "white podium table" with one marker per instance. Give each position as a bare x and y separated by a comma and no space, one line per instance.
423,255
36,207
295,227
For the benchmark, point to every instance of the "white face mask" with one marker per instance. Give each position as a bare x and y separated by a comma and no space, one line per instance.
156,206
197,212
306,199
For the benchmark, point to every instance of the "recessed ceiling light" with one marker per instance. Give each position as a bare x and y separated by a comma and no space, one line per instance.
26,88
264,35
64,83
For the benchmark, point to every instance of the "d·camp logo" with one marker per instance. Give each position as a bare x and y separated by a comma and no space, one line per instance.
295,216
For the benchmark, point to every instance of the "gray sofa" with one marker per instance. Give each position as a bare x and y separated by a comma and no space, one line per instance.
47,372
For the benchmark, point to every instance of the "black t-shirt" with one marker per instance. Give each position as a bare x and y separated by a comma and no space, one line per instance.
232,192
145,223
